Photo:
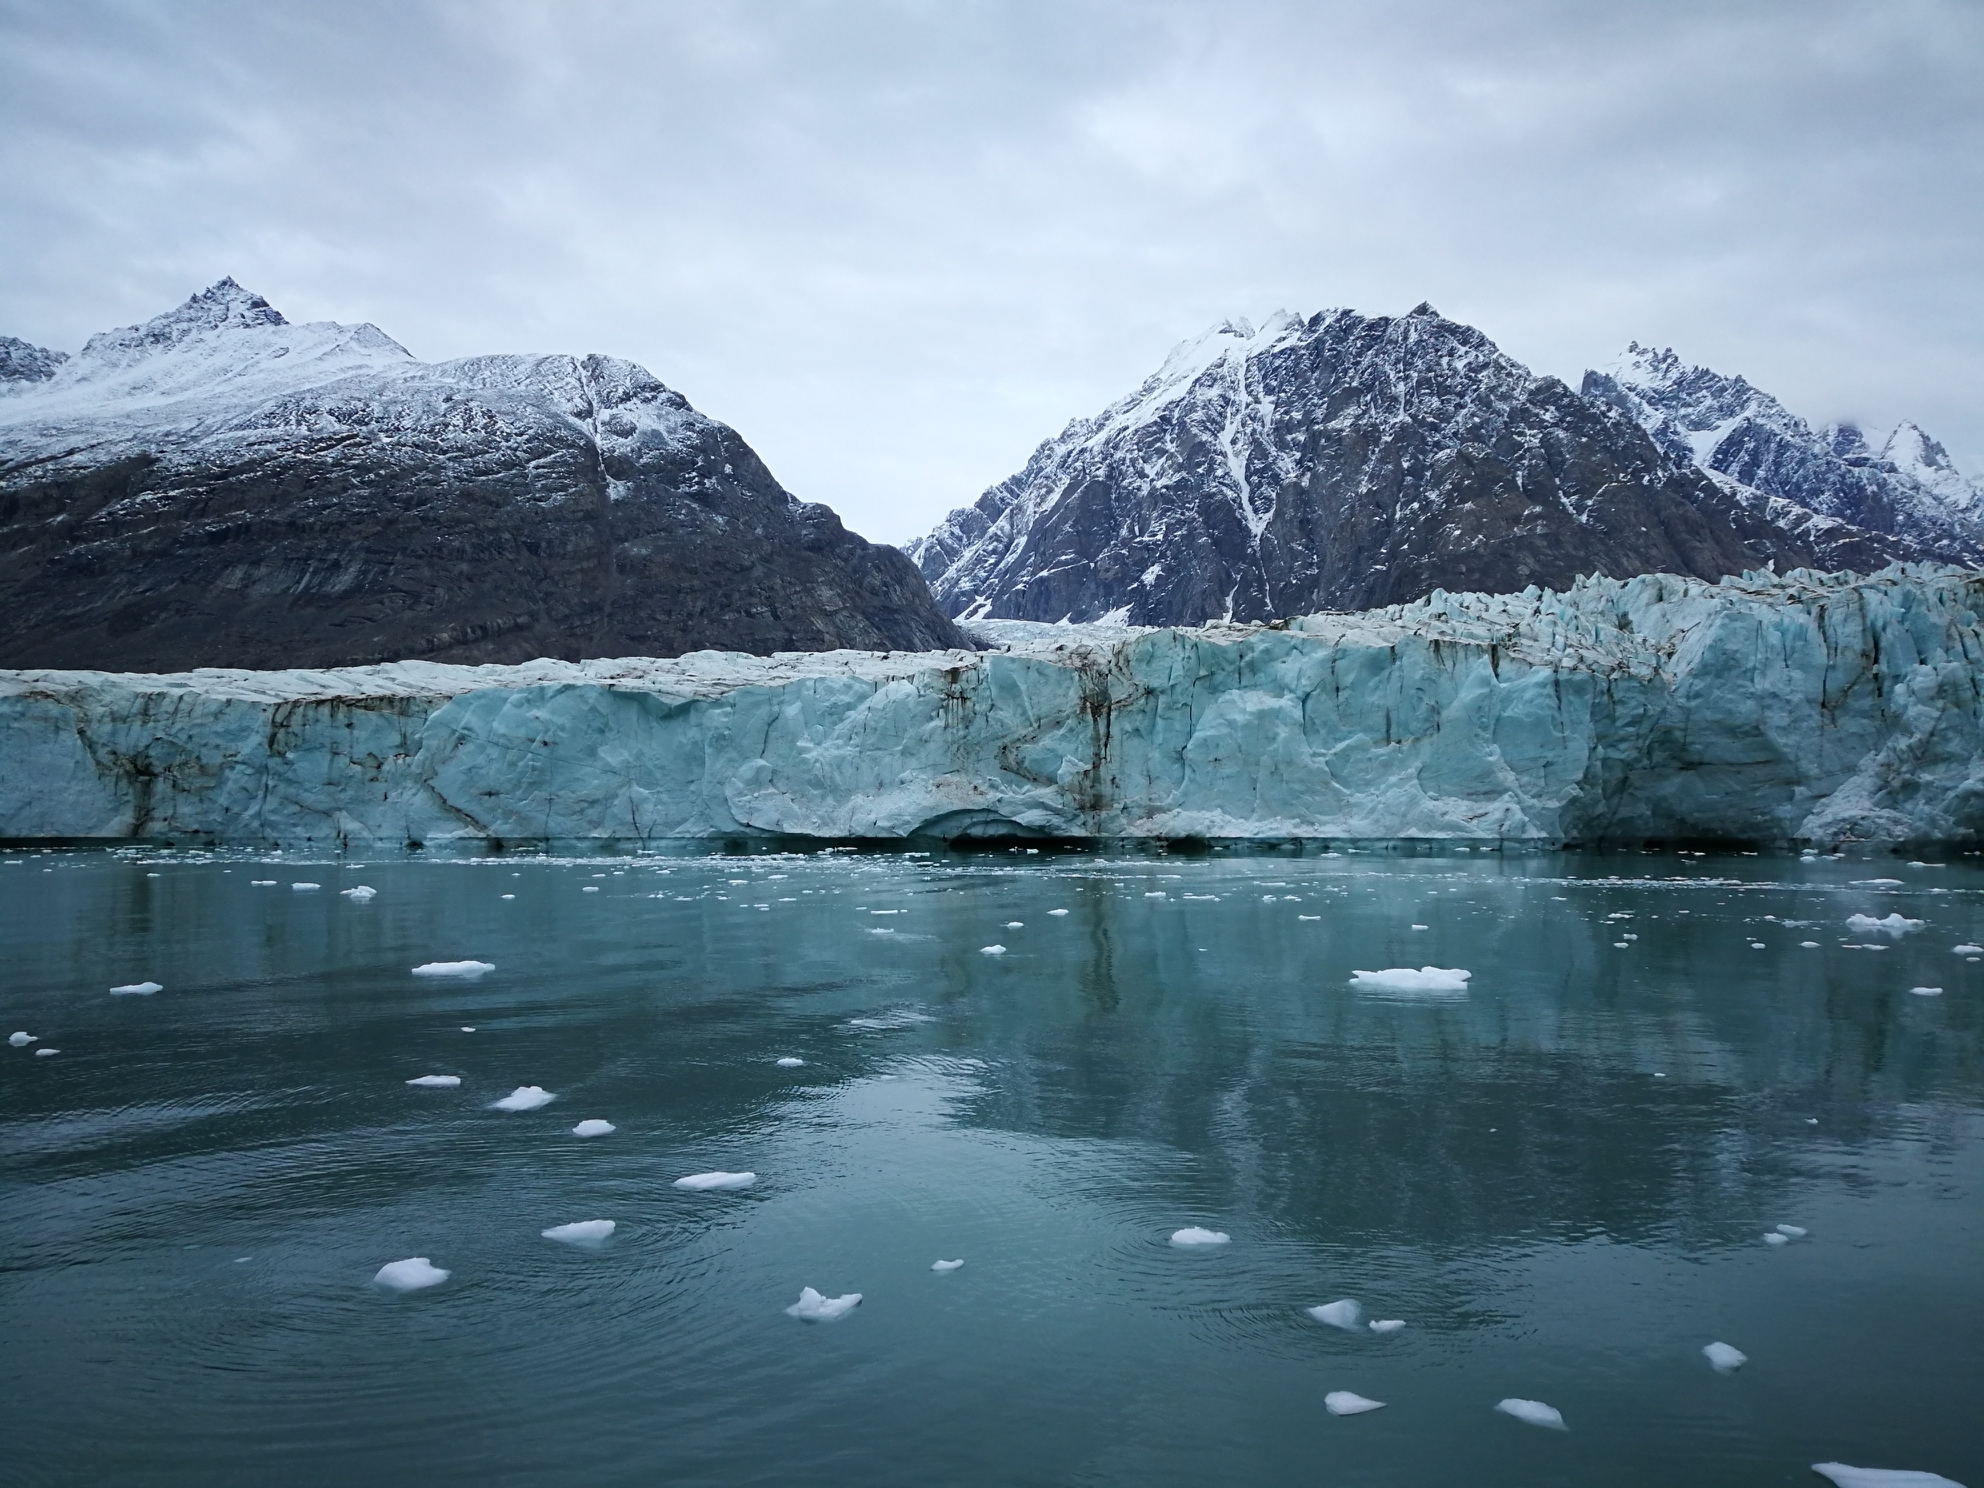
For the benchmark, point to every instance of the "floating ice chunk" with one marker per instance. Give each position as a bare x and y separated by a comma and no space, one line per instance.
1193,1235
304,888
1796,1232
436,1082
1895,924
1968,950
1340,1314
992,950
590,889
468,1028
454,968
136,989
1810,945
1533,1413
20,1040
1405,979
1386,1325
1016,924
946,1265
506,896
1725,1358
526,1098
361,893
790,1062
1926,991
594,1128
1057,911
1757,945
1347,1403
263,883
410,1275
1773,1238
45,1053
1875,883
582,1232
1160,894
814,1308
1308,917
699,1182
1881,1477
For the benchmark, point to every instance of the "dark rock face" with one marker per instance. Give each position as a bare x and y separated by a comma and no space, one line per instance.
22,361
1756,445
1344,462
221,488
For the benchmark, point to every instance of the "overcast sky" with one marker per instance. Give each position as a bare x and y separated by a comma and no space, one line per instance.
897,245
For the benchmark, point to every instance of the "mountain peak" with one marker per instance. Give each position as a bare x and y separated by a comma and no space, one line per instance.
222,306
1423,310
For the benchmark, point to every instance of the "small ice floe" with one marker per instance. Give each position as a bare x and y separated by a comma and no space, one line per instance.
262,883
1757,945
512,896
992,950
136,989
1810,945
946,1265
436,1082
590,889
1193,1235
814,1308
1533,1413
1312,917
1774,1238
1349,1403
583,1232
1386,1325
20,1040
594,1127
1925,991
410,1275
46,1053
1621,945
1015,924
526,1098
1160,894
1876,883
790,1062
1057,911
1895,924
361,893
1793,1232
1967,950
1345,1313
702,1182
1726,1358
1881,1477
1405,979
468,1028
304,888
454,968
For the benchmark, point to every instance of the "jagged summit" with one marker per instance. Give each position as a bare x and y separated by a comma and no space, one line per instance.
23,361
221,487
1762,451
1337,462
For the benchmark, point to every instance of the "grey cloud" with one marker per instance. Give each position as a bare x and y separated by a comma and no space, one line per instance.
896,245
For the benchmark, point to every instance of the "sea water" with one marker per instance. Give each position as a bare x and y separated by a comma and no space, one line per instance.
1558,1172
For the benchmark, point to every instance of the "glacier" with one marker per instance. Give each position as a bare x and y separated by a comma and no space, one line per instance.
1801,707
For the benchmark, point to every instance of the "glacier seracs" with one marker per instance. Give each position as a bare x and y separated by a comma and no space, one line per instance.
1798,707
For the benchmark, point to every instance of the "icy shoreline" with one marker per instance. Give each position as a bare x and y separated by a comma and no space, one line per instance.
1806,707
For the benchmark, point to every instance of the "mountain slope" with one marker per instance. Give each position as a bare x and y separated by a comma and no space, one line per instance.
219,487
1342,462
1735,431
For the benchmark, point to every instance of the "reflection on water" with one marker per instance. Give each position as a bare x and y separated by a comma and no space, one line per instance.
1559,1176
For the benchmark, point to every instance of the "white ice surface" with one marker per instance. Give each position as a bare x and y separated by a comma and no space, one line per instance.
1405,979
1532,1412
790,1061
304,888
410,1275
1926,991
45,1052
526,1098
453,968
1726,1358
1894,924
699,1182
20,1040
1387,1325
992,950
594,1127
1193,1235
580,1231
1345,1403
945,1265
362,892
1774,1238
436,1082
814,1308
1881,1477
136,989
1795,1232
1344,1313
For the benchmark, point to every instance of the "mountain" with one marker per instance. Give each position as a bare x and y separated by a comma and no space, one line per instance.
219,487
1344,462
1754,446
23,362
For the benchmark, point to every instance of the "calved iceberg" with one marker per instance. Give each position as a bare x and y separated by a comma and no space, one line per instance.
1801,707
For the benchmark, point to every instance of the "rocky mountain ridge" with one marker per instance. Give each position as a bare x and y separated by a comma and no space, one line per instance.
219,486
1344,461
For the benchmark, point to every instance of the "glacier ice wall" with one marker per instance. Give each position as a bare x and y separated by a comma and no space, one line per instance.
1801,707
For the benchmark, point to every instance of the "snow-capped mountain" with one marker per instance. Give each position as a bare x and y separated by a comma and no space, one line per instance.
21,361
1753,445
1345,461
219,487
